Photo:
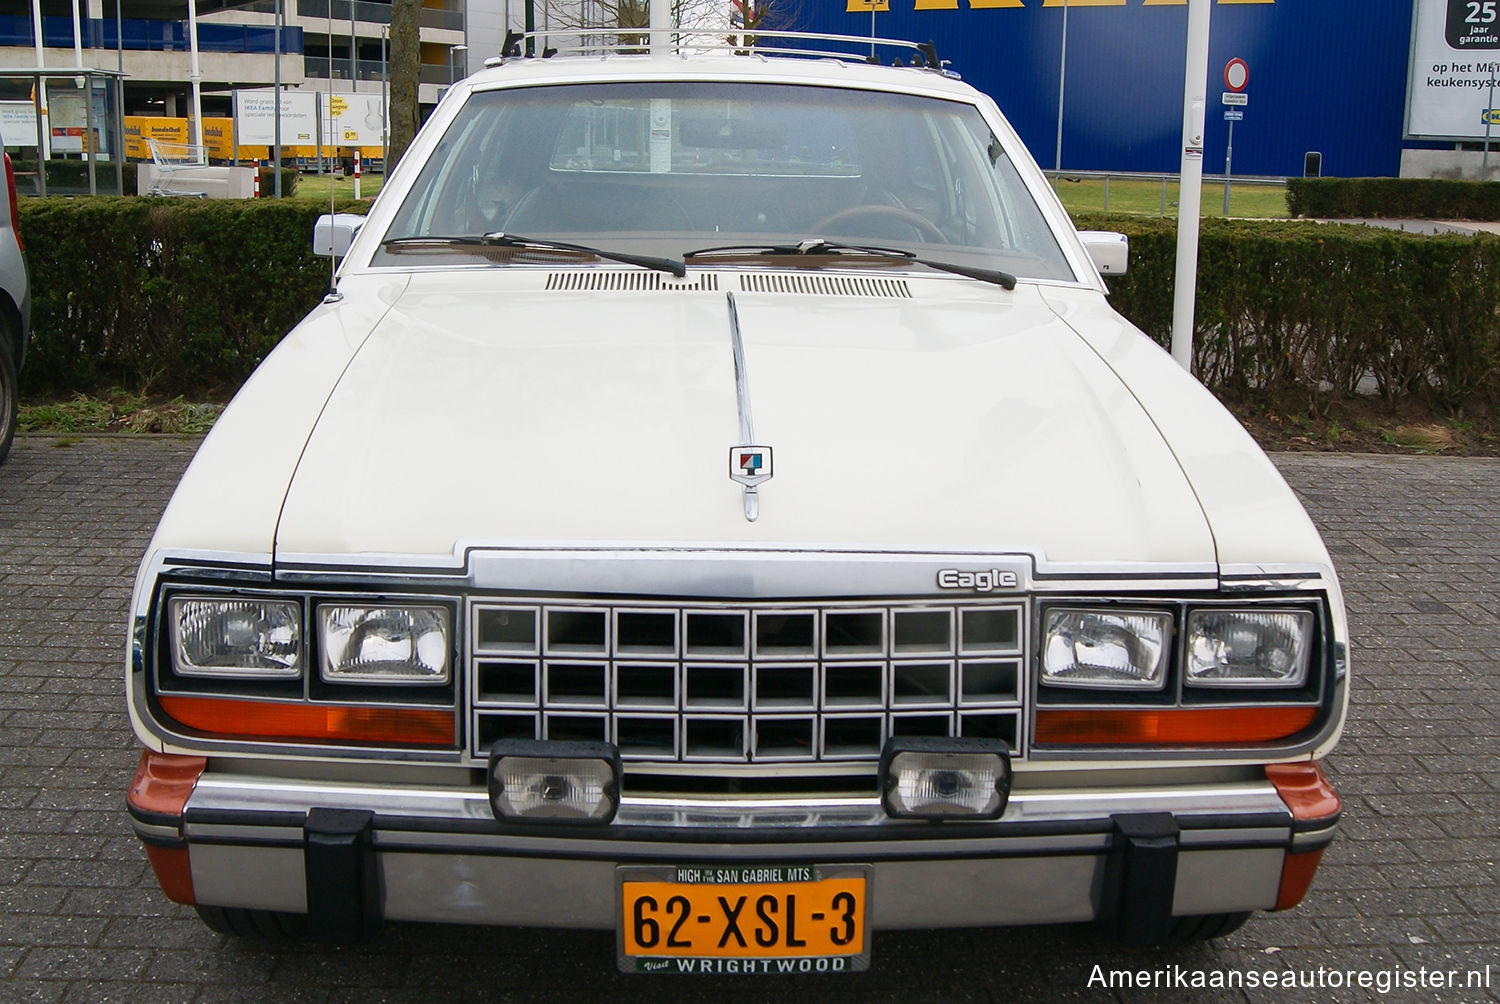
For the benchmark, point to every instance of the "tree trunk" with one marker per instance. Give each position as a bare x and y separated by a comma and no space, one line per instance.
405,70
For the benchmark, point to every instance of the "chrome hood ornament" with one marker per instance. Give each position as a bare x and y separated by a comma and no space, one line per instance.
749,464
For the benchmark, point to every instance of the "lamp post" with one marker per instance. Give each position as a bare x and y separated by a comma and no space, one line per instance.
385,114
353,53
1190,194
276,106
455,53
1062,83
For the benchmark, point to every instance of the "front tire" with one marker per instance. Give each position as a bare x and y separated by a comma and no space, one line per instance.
1203,927
9,393
263,924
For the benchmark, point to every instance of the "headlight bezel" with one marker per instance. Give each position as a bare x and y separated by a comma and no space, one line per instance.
1241,709
306,688
1177,692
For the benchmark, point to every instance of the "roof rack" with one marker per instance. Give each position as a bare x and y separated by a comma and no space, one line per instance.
604,41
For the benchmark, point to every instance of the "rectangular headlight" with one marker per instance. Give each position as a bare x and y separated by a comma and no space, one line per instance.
1248,648
926,777
397,645
240,638
1106,648
544,781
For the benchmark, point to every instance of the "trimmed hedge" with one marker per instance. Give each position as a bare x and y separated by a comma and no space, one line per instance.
184,296
1392,198
178,296
289,176
1297,308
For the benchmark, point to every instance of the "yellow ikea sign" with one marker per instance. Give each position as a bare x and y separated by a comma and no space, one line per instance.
853,6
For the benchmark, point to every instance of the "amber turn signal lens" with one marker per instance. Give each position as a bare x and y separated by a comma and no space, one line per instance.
1174,727
316,723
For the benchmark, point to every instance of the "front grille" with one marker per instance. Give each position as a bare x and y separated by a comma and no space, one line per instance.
746,683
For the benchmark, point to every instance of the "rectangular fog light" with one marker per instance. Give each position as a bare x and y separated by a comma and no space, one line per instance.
945,778
543,781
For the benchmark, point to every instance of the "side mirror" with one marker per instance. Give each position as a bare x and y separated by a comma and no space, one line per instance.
332,235
1110,251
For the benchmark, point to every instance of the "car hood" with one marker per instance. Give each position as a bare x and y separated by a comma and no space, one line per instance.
929,414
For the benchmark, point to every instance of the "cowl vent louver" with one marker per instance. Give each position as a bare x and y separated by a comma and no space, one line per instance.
630,282
826,285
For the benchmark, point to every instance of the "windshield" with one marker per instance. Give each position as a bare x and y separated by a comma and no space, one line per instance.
667,168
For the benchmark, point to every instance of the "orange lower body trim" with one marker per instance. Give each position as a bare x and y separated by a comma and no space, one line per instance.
1306,791
1296,877
173,872
162,784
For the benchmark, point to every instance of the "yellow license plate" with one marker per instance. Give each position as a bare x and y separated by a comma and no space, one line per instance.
744,919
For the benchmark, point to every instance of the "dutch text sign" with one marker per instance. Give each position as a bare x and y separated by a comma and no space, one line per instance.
1455,59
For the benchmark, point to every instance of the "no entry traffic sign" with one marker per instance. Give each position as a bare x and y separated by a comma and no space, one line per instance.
1236,74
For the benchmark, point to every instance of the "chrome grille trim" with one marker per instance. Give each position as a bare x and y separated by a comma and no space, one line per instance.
745,683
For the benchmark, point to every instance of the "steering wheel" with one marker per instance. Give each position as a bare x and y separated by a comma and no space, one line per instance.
924,226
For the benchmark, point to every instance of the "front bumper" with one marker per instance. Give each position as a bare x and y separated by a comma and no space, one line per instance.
354,853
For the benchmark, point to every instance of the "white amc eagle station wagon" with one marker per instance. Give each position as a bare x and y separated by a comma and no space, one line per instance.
718,505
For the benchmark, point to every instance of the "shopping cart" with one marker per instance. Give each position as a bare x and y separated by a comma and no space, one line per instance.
170,158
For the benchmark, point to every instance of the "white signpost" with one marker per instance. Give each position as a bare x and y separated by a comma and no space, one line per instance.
1455,53
1236,78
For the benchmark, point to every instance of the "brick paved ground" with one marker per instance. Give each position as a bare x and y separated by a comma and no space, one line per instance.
1413,880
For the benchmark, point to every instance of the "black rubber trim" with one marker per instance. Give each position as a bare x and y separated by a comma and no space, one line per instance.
1320,839
173,563
151,840
148,818
245,817
1226,820
343,893
1322,822
1140,878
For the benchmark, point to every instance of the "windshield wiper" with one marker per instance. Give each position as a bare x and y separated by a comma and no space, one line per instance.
504,240
819,246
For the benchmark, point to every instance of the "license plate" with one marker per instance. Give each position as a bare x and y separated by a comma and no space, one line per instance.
767,919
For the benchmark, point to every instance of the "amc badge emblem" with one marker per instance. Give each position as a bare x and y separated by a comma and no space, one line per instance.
750,465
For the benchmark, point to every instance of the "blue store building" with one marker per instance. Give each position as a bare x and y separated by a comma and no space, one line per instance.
1325,75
